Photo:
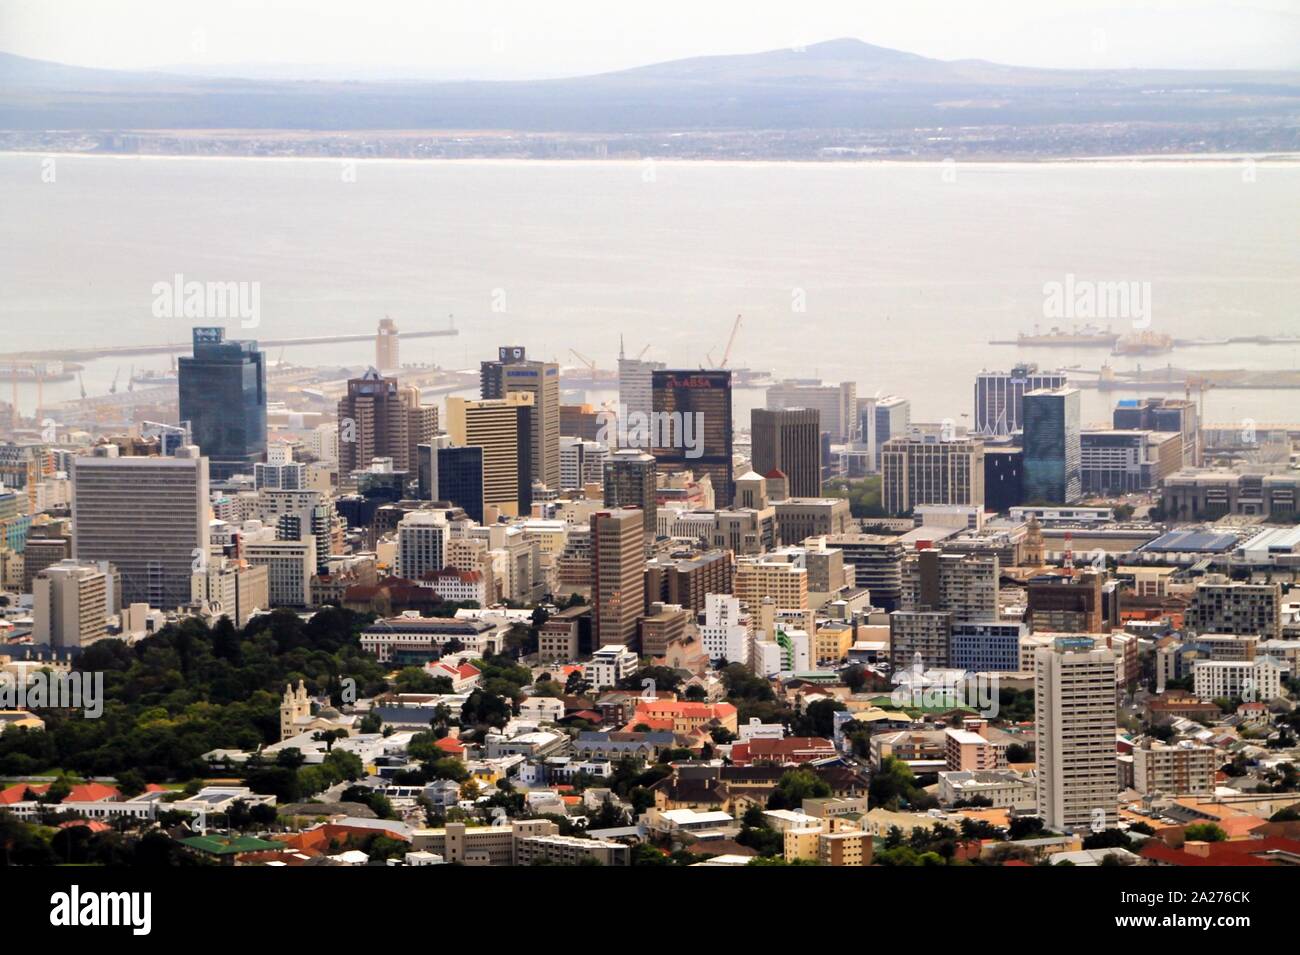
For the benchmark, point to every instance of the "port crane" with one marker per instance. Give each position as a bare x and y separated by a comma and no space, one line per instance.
591,365
731,341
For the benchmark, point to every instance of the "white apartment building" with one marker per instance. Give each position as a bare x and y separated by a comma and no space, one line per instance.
1075,722
609,665
725,633
422,538
1252,680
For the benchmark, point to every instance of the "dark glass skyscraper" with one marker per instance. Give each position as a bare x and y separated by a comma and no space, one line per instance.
223,397
691,426
1052,442
790,441
460,479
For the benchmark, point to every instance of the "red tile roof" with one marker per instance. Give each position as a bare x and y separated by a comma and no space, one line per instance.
1239,852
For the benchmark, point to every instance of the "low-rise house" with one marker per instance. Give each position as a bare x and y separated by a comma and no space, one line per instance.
791,751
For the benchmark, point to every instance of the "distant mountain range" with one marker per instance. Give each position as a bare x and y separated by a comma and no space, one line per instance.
839,84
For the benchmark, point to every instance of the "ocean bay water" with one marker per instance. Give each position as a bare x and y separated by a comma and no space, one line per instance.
896,276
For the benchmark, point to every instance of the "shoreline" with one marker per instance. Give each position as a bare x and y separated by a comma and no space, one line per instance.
1266,160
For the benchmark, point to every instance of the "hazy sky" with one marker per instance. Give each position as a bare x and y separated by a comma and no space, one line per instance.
520,38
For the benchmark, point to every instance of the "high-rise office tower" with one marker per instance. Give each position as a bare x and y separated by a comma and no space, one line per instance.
837,404
1075,723
999,396
380,419
387,351
1003,478
513,374
503,429
630,482
148,517
696,434
617,575
635,384
223,397
1053,446
460,479
789,440
926,469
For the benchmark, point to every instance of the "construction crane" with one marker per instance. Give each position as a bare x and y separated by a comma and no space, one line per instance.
130,382
591,365
641,353
112,389
726,355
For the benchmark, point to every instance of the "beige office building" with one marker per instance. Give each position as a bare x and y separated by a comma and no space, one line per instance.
289,569
493,424
617,576
72,601
229,589
925,469
775,576
148,516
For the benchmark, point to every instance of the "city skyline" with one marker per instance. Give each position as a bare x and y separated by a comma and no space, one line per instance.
860,437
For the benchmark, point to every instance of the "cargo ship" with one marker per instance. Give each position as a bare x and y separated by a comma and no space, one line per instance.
1085,336
1144,343
37,371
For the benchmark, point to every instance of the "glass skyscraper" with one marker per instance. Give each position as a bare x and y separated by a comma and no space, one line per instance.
706,396
460,479
223,397
1052,442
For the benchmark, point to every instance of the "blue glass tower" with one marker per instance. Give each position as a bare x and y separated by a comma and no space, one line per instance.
223,397
1052,442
